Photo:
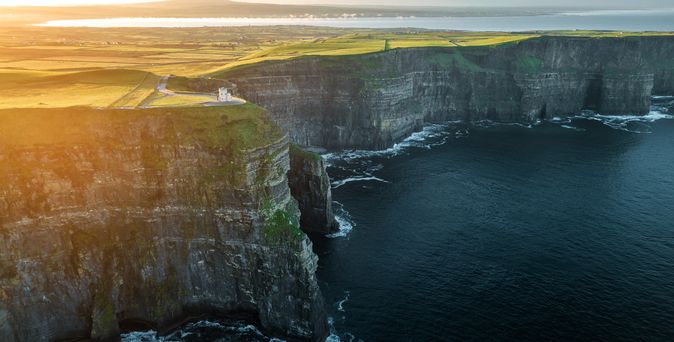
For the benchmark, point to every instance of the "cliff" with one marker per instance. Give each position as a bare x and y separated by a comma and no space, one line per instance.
310,185
111,218
372,101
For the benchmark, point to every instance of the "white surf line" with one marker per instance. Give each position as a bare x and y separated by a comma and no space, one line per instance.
340,183
340,304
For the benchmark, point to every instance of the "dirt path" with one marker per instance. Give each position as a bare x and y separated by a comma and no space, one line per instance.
162,89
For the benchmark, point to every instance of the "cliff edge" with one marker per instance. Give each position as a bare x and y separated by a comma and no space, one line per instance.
372,101
113,217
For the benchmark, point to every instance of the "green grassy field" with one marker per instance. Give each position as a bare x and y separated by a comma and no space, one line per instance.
181,100
239,127
105,87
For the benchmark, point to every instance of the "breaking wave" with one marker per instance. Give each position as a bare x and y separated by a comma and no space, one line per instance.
430,136
344,220
203,330
341,302
361,165
629,123
334,335
489,124
337,184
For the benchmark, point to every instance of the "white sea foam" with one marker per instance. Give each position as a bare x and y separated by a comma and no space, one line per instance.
340,303
333,337
341,182
418,140
142,336
359,163
344,220
628,123
489,123
185,331
573,128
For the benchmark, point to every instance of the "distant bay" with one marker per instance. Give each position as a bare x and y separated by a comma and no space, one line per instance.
627,20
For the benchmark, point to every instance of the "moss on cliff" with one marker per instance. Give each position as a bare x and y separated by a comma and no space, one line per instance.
281,226
454,58
528,65
296,149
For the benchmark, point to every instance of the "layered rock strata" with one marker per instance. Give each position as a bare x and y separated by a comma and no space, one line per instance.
372,101
111,218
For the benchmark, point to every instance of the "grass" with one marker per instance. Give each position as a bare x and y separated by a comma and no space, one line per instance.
408,43
605,34
119,67
181,100
304,154
495,40
178,84
137,95
239,127
376,41
281,226
21,89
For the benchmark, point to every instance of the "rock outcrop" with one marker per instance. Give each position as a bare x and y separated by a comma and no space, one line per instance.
310,185
115,217
372,101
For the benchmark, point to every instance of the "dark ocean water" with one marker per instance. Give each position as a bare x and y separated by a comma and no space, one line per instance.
559,232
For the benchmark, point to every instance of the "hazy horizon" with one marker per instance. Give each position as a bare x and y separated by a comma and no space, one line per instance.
614,4
476,3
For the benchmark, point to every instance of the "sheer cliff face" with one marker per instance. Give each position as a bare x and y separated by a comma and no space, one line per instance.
310,185
148,217
372,101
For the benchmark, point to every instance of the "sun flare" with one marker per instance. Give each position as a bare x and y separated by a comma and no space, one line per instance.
68,2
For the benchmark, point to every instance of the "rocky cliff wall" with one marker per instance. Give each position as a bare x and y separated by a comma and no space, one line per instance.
371,101
310,185
114,217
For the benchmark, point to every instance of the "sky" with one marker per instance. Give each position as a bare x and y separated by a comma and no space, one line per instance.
504,3
66,2
560,3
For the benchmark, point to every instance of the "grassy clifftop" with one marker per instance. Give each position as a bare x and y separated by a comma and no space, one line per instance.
222,127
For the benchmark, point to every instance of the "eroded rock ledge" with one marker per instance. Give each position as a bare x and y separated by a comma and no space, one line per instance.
310,185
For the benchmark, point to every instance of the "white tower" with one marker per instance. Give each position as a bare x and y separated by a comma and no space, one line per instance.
224,95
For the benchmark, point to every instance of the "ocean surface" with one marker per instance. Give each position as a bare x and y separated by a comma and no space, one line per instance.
626,20
558,231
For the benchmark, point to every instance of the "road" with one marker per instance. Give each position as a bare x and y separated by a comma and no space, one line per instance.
162,88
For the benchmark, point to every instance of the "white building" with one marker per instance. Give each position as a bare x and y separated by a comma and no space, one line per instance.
224,95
